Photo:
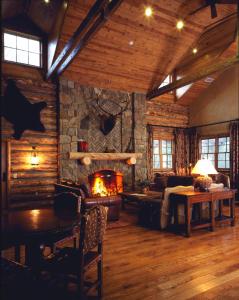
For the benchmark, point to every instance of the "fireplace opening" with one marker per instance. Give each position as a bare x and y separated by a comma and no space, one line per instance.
105,183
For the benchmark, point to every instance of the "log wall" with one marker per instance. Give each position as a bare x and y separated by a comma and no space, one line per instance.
166,114
32,185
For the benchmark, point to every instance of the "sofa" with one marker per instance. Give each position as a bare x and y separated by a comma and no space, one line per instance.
163,181
112,202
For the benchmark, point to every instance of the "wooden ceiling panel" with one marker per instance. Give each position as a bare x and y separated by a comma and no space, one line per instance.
157,46
109,61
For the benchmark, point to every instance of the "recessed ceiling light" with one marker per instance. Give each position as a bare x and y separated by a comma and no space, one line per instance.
209,79
148,11
47,1
180,24
195,50
131,43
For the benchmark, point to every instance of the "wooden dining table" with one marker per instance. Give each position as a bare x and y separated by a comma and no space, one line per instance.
35,227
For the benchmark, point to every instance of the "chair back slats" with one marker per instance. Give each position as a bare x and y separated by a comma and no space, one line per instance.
93,227
67,201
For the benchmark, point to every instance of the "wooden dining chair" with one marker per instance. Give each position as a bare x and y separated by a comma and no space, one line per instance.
19,281
63,202
75,262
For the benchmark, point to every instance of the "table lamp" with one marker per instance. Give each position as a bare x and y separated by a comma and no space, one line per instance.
203,167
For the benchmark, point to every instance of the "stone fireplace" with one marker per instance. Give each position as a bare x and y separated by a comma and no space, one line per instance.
78,122
106,183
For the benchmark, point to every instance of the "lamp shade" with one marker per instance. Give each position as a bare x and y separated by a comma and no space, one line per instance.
204,167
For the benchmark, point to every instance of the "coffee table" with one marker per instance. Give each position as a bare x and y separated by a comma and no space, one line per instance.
137,197
149,207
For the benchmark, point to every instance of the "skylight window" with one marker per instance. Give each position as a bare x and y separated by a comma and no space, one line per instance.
181,91
166,81
22,49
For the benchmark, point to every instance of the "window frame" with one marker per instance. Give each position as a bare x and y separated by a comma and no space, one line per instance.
161,169
216,137
23,35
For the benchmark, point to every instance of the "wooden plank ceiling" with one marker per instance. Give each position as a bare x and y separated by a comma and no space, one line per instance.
42,14
109,61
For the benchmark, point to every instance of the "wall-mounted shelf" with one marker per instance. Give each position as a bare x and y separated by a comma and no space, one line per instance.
87,157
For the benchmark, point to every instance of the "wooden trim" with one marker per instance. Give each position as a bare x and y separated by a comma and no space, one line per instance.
200,74
86,157
104,155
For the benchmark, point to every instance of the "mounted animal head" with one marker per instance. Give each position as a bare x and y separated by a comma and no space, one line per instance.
107,119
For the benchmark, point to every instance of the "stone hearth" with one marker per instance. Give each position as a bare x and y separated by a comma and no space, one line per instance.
78,121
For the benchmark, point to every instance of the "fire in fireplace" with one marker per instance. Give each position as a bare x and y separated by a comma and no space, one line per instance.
105,183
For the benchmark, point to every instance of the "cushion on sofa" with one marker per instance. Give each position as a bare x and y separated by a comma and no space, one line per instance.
179,180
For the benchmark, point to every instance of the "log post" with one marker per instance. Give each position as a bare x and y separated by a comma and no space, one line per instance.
86,161
131,161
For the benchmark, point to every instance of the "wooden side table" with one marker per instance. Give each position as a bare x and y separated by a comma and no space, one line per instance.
192,197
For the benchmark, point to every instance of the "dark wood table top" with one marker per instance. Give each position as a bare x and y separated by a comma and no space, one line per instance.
151,195
195,193
40,224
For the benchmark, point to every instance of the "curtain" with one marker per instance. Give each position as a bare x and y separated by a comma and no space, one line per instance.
234,151
150,152
181,151
193,146
186,150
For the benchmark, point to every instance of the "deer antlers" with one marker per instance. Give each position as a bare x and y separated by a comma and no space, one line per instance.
121,111
108,119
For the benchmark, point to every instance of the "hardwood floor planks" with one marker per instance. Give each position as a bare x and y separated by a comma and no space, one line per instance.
146,264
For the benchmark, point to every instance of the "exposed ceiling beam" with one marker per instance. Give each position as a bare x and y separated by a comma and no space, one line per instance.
202,73
91,15
99,22
55,32
97,16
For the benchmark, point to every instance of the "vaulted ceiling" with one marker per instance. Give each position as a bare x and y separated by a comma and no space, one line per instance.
158,47
134,53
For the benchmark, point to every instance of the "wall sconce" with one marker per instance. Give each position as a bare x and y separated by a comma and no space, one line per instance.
34,157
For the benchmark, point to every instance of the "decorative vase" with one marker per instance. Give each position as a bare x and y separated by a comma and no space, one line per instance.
203,183
82,146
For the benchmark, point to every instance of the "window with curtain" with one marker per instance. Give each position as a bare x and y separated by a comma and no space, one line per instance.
162,146
162,154
217,150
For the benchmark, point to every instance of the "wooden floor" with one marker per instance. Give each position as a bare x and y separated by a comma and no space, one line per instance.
148,264
144,264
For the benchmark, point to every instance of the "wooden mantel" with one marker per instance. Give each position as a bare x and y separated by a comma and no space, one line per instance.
87,157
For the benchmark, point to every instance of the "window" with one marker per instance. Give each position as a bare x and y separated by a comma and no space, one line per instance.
208,150
162,154
166,81
217,150
22,49
224,153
